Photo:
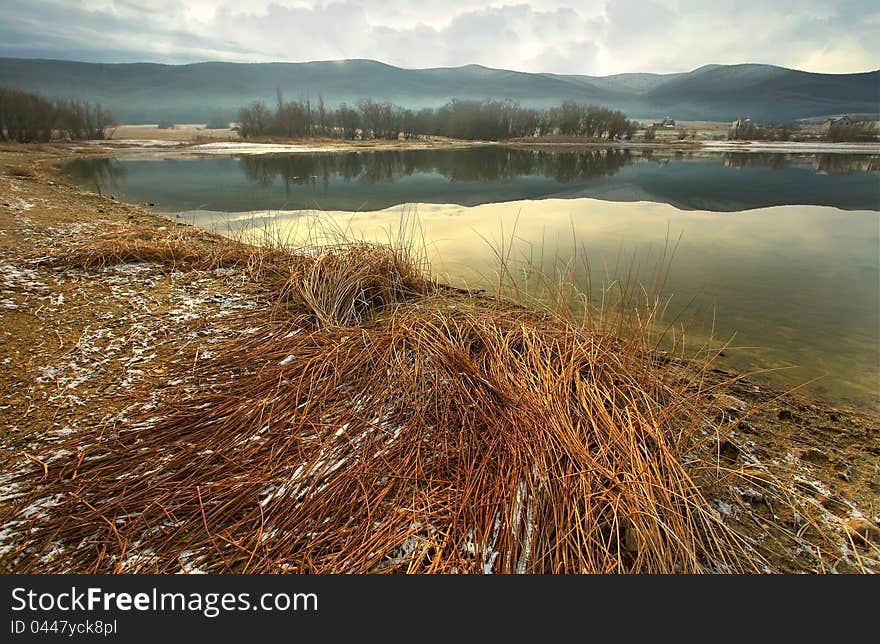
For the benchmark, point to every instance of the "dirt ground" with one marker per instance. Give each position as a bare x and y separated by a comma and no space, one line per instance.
72,341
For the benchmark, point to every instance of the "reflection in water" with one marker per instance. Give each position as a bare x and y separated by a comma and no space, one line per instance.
770,160
796,287
377,180
496,164
842,164
99,174
796,284
504,164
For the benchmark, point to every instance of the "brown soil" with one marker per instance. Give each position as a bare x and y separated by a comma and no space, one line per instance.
74,340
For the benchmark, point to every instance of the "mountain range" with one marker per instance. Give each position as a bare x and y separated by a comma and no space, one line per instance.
148,93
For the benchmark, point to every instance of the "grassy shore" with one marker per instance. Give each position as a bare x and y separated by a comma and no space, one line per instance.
178,401
185,135
710,137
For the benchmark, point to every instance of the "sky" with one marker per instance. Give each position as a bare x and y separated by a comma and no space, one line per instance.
595,37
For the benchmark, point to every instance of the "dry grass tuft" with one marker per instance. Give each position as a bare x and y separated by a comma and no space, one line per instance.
187,250
338,284
20,172
368,421
344,285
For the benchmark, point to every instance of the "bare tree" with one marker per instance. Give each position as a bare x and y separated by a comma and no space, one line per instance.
27,117
476,120
322,116
254,120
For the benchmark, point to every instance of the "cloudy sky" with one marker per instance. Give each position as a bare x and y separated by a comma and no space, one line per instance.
562,36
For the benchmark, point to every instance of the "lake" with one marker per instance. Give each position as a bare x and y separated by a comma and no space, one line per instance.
780,252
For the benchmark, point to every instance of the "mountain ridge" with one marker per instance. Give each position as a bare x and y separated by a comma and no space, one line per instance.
148,92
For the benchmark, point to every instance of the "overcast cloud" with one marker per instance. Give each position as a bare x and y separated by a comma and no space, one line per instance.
562,36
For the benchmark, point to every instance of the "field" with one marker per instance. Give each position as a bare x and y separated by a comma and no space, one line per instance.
195,135
174,401
183,133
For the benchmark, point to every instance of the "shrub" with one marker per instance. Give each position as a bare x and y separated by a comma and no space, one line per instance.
864,131
217,122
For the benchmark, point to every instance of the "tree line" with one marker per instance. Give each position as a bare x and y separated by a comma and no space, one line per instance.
461,119
26,117
849,131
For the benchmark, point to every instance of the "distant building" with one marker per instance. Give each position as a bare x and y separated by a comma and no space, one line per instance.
843,120
666,124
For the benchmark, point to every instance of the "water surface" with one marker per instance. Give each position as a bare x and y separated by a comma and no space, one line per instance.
779,252
360,181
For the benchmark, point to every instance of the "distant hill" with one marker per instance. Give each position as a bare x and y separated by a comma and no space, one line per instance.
146,92
766,92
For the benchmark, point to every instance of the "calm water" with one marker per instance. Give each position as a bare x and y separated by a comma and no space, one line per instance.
782,251
369,181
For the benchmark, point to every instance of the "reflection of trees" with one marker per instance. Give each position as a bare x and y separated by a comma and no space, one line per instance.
599,163
492,164
827,163
351,167
772,160
103,173
846,163
260,174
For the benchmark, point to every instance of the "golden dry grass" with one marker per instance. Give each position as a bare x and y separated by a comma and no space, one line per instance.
368,420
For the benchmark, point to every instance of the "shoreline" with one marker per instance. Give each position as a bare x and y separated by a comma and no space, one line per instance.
791,147
192,145
320,146
824,454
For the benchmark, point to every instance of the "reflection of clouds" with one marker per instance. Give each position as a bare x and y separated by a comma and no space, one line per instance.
797,284
772,233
